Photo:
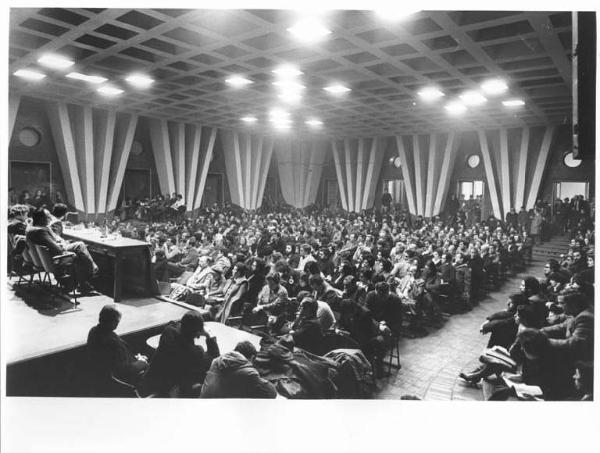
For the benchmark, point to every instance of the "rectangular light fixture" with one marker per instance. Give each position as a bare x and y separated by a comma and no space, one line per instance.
109,91
96,80
29,75
287,71
309,30
494,86
394,13
313,123
430,94
55,61
456,108
290,97
513,103
139,80
336,89
238,81
278,113
473,97
249,119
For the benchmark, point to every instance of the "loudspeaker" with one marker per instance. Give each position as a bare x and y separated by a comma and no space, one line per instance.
584,85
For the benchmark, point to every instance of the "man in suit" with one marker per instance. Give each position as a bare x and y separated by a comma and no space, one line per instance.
59,211
41,234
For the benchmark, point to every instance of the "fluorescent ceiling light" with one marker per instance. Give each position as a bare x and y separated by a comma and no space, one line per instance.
282,124
249,119
494,86
430,94
86,78
337,89
394,13
513,103
29,75
473,97
456,108
290,97
238,81
140,80
55,61
287,71
278,113
313,122
309,30
109,91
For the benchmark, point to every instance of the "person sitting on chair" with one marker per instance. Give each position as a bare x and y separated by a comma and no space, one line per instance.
17,226
306,330
109,352
41,234
179,364
59,211
272,301
232,375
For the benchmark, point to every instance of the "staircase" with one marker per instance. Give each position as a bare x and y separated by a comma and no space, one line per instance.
552,249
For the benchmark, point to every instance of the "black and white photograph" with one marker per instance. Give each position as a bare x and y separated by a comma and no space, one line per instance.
376,210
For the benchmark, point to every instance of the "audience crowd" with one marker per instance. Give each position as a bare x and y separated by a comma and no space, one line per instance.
321,279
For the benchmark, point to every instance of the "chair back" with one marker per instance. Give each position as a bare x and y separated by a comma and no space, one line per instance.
46,259
33,253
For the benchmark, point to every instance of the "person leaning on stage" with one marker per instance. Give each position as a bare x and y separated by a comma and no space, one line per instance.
179,366
109,352
41,234
232,375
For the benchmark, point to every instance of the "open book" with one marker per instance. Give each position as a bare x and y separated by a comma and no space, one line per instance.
522,390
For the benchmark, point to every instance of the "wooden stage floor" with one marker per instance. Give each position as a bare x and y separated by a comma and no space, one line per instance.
36,328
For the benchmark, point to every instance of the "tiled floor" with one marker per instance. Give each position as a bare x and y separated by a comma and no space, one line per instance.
430,365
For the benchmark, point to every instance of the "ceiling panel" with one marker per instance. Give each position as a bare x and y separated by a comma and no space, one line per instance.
190,53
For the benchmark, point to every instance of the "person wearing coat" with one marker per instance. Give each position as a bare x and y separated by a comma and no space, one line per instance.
535,230
233,293
232,375
501,325
109,353
178,363
41,234
576,334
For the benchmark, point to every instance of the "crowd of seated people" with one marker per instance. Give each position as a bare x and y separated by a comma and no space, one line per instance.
548,327
367,273
158,208
363,276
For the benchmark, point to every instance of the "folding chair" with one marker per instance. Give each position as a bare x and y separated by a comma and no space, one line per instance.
62,271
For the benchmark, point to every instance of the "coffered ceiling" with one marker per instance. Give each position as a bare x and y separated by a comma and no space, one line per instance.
190,53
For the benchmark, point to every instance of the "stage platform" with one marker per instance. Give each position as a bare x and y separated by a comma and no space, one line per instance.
36,327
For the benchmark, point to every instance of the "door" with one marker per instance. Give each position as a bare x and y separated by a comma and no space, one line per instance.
213,191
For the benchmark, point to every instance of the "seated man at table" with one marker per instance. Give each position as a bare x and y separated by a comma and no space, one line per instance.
109,352
59,211
232,375
41,234
179,366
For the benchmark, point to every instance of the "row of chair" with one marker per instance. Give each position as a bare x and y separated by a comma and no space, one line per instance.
53,272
